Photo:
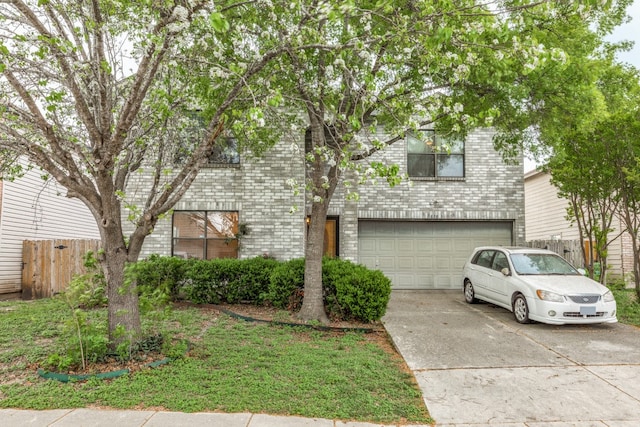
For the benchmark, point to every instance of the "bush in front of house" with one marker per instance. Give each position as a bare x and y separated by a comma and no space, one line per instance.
351,291
228,280
159,274
285,285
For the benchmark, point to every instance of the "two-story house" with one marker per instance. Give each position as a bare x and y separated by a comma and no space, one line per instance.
418,233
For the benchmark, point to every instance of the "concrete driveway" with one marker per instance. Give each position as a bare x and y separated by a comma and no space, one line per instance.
477,366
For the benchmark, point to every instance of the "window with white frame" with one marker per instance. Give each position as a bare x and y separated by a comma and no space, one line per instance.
432,156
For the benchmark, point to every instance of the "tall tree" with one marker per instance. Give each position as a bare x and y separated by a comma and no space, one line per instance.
595,164
92,91
622,86
364,69
584,173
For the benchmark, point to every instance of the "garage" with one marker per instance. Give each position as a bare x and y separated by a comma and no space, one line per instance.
426,254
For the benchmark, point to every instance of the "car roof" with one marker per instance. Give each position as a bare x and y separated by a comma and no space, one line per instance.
515,249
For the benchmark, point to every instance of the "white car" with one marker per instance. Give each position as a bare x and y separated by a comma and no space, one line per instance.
536,284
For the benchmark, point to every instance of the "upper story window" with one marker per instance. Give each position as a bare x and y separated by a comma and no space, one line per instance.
432,156
191,132
225,151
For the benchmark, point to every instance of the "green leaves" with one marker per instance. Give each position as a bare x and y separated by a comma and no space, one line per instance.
218,22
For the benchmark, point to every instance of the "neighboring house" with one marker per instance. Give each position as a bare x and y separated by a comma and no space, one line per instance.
546,219
418,233
34,209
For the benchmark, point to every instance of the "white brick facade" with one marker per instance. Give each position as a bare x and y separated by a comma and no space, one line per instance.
491,190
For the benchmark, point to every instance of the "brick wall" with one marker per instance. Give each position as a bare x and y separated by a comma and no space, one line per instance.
491,190
257,189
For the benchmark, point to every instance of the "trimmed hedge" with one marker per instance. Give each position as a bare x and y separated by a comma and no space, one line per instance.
351,291
228,280
286,284
166,274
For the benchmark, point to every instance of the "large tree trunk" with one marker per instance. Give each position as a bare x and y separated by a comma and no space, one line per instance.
313,302
123,310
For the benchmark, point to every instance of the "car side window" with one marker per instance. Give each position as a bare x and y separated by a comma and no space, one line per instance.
484,259
500,261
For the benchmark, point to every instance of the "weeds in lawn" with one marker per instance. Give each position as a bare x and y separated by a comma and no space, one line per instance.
628,305
232,366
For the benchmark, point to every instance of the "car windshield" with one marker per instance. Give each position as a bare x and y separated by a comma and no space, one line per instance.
541,264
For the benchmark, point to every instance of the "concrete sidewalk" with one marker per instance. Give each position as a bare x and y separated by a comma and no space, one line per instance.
113,418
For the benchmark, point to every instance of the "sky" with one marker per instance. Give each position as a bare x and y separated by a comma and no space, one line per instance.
629,31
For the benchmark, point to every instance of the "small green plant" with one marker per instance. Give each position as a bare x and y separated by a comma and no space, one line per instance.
175,350
59,362
89,289
83,341
628,305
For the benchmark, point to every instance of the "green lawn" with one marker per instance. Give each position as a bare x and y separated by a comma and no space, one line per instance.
232,366
628,306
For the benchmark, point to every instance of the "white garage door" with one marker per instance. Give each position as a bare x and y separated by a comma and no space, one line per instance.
425,255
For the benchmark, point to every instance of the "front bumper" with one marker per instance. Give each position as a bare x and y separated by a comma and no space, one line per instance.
561,313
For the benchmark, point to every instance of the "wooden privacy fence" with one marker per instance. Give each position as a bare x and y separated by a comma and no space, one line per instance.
49,265
571,250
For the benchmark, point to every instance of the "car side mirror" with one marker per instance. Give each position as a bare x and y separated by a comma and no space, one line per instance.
506,271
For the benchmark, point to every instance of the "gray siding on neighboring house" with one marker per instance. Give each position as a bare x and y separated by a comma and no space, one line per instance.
545,211
33,209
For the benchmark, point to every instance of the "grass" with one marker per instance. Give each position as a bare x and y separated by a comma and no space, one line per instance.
233,366
628,305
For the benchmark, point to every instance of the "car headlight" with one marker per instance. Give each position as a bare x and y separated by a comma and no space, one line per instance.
549,296
608,297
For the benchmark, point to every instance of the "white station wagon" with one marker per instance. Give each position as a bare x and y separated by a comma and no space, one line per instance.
536,284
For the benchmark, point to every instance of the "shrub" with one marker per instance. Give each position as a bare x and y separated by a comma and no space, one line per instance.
286,284
229,280
252,279
353,291
203,278
166,274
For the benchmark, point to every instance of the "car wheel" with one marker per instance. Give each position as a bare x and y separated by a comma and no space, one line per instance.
520,309
469,293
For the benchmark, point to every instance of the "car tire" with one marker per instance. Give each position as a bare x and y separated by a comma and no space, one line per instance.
521,309
469,293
